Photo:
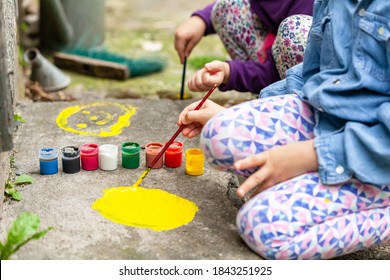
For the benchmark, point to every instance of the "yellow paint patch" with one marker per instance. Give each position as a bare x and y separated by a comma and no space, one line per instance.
327,200
82,125
145,208
108,118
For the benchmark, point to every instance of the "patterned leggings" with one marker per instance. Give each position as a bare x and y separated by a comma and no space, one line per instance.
245,37
300,218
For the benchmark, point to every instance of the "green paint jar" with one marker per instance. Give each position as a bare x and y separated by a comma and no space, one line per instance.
130,155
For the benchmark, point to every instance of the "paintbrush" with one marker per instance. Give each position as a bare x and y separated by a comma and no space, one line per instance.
183,78
143,175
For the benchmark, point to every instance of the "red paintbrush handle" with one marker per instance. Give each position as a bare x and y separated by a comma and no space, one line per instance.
180,129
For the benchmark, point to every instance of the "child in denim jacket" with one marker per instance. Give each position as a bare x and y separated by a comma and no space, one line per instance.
315,148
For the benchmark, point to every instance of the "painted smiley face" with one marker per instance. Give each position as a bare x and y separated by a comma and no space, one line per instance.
103,119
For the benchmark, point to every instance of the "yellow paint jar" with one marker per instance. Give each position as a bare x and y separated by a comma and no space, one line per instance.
194,162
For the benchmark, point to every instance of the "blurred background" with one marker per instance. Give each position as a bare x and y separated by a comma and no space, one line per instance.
133,29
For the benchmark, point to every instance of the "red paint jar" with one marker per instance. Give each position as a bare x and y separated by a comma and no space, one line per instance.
89,156
152,149
173,155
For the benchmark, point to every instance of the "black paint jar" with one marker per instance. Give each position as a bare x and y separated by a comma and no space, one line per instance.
70,159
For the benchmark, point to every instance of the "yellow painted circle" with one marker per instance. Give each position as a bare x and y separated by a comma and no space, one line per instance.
145,208
107,119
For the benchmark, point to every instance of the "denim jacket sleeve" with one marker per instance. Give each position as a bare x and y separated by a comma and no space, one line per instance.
357,150
348,86
291,84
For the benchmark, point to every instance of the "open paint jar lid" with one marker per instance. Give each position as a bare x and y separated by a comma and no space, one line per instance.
89,149
153,147
48,153
175,147
70,152
109,149
130,148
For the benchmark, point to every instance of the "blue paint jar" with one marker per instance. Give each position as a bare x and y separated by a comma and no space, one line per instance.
48,161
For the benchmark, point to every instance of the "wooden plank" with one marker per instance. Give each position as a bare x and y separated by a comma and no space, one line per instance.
91,67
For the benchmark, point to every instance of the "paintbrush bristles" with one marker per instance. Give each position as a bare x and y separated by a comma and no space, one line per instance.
142,177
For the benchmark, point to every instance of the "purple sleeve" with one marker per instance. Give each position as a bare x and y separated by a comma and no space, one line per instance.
304,7
273,12
205,14
251,76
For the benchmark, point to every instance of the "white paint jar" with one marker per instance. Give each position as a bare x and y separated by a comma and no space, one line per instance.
108,157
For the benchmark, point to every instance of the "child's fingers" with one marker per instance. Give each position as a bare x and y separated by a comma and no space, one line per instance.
187,130
251,162
192,106
194,81
190,45
255,180
195,117
180,46
199,81
210,79
181,116
214,66
195,132
191,131
203,81
185,111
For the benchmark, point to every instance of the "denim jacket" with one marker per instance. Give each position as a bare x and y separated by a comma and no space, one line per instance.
345,77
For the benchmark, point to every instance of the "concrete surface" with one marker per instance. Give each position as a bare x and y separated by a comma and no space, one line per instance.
64,200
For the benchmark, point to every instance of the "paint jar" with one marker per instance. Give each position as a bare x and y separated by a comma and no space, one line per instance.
48,161
152,149
130,155
194,162
89,157
108,157
70,159
173,155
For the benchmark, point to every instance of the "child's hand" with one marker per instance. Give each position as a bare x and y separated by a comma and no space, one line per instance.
188,35
215,72
195,120
277,165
